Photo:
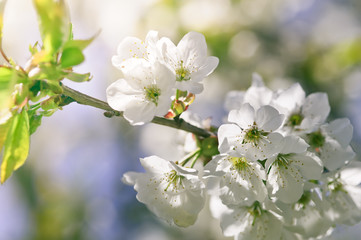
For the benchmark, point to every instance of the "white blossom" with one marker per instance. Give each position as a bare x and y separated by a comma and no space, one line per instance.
342,193
257,95
144,92
189,61
253,134
331,143
288,169
172,192
251,222
240,181
302,114
132,47
307,216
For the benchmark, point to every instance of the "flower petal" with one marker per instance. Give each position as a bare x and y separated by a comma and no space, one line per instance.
309,165
341,130
139,112
130,47
315,111
289,100
120,94
228,134
287,184
334,156
244,117
193,47
293,144
268,118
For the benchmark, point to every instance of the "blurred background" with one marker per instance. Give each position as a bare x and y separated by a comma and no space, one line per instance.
70,188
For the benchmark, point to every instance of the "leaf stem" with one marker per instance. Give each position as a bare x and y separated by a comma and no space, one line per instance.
84,99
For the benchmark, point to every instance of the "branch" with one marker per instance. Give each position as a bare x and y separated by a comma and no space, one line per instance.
84,99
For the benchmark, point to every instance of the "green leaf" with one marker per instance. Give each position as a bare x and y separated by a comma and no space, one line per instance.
8,79
34,122
71,57
16,145
54,24
81,44
77,77
4,128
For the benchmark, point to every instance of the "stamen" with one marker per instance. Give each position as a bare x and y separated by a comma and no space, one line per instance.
182,73
152,93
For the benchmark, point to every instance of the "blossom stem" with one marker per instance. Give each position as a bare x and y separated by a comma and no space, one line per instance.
84,99
196,158
189,157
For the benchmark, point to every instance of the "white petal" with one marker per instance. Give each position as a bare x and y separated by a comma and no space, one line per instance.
152,38
130,47
193,45
164,77
138,73
217,208
351,175
287,184
227,136
244,117
138,113
190,86
341,130
257,80
267,147
130,178
120,94
334,156
235,221
155,164
170,52
294,144
268,118
258,95
289,100
315,110
309,165
205,69
177,202
243,187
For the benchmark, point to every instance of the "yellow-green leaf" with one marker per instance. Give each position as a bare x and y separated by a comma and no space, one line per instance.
4,128
16,145
71,57
77,77
54,24
8,79
81,44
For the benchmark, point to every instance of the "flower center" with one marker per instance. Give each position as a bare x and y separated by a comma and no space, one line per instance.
253,135
256,211
152,93
182,73
282,160
316,139
295,120
239,163
174,181
336,186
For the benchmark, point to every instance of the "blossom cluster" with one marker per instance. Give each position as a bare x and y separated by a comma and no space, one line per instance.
157,73
277,169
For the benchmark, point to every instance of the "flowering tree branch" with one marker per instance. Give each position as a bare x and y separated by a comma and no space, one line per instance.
84,99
